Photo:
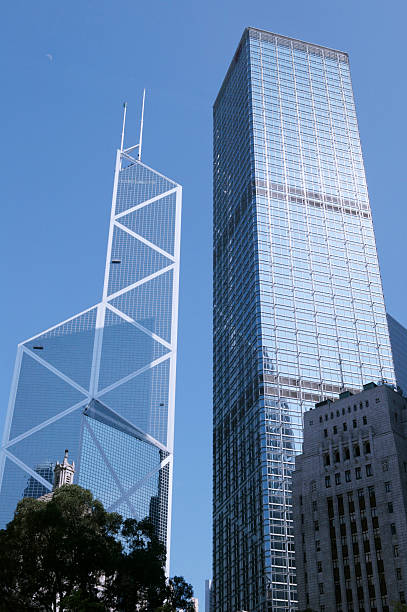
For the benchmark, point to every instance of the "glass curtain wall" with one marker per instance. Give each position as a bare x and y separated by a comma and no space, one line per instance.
298,304
102,383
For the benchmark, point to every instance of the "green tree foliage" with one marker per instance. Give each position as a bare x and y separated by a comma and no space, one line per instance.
69,554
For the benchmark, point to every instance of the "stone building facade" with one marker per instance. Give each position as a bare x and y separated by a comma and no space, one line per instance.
349,502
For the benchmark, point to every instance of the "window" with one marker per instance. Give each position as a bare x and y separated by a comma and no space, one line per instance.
320,419
356,450
337,478
316,526
364,420
327,481
318,545
354,423
385,465
396,550
327,459
366,447
313,486
398,573
390,507
387,486
319,566
402,597
377,400
335,429
345,427
347,476
357,473
321,588
369,470
314,505
346,451
393,528
367,403
325,433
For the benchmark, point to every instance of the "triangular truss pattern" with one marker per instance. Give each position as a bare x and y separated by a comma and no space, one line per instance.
102,383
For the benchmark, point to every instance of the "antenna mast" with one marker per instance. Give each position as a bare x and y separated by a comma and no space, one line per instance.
124,125
141,125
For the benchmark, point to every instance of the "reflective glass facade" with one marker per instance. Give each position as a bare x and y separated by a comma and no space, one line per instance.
398,340
102,384
298,304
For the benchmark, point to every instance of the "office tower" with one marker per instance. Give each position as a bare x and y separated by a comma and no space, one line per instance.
102,383
398,341
34,488
350,503
298,304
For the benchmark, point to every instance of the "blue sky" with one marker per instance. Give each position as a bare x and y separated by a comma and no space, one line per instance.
66,69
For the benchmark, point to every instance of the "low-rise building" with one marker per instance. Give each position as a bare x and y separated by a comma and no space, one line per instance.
349,503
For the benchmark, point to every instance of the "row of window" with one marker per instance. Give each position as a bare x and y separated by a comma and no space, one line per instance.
348,475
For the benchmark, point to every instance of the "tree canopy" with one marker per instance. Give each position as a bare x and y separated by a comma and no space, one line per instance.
69,554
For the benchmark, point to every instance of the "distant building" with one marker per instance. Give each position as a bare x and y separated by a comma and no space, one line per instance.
34,488
350,501
208,596
398,341
196,604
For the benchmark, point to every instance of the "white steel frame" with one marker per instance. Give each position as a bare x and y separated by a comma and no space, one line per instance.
93,392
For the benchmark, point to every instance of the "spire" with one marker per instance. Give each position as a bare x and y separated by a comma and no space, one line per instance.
140,142
63,472
124,125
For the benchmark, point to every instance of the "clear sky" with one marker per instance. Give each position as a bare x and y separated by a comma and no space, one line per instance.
66,68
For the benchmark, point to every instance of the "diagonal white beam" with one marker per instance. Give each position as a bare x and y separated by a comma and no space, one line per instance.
139,326
57,325
151,245
146,279
54,370
146,203
134,374
139,484
53,419
108,465
27,469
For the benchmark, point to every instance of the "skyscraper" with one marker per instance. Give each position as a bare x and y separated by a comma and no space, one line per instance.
298,304
34,488
350,512
102,383
398,341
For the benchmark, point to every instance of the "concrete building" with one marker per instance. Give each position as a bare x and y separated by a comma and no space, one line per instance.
349,503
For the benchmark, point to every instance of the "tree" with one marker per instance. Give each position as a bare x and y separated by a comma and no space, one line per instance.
140,579
69,554
53,549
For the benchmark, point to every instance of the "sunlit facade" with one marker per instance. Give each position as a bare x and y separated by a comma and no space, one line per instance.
298,304
102,383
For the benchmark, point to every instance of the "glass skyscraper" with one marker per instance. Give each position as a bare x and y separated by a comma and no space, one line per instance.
298,305
102,383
